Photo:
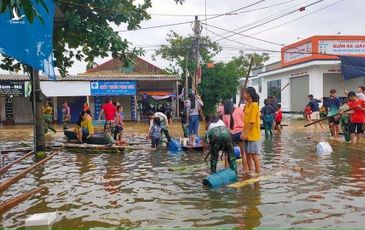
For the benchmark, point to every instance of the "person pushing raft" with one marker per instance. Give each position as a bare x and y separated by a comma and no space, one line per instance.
219,138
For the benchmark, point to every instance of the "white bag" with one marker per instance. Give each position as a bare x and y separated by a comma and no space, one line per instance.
324,148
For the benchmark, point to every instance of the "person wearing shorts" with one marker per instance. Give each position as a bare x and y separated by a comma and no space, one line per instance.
333,104
232,118
357,117
314,104
251,128
109,110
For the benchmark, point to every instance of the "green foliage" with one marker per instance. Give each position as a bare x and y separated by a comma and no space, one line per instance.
242,62
179,48
40,155
86,30
218,83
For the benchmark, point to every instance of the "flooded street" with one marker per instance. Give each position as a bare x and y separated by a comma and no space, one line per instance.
141,189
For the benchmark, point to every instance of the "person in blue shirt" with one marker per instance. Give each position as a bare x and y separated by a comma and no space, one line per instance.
267,115
314,104
333,104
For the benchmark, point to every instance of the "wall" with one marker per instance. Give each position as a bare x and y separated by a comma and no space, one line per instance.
335,81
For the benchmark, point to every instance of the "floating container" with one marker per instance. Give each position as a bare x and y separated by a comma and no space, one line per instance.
324,148
220,178
237,152
41,219
174,146
197,139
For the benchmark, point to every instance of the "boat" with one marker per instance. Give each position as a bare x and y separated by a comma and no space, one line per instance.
197,147
98,139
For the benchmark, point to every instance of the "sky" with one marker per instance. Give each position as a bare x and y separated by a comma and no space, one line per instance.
345,17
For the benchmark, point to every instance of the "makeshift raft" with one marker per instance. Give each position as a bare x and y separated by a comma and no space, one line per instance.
93,148
198,147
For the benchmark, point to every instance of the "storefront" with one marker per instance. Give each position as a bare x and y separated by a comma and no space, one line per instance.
310,66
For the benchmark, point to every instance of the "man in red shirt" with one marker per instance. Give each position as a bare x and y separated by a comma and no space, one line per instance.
108,109
357,117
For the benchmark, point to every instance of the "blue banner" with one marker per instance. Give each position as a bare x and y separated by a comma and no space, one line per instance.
352,67
29,43
113,88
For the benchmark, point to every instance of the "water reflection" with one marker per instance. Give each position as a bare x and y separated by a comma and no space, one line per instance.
137,189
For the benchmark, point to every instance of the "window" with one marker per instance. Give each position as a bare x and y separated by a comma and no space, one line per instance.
274,88
260,84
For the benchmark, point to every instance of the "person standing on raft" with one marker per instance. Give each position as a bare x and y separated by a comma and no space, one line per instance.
251,128
109,110
219,138
193,106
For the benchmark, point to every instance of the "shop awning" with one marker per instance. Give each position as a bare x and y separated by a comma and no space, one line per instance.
158,95
352,67
65,89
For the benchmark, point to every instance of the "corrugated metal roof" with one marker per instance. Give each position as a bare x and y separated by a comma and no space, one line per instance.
97,77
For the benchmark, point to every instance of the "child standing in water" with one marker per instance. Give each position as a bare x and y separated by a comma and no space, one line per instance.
219,138
267,113
308,113
155,132
251,128
278,119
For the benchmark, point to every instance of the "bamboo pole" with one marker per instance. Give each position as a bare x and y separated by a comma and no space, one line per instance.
325,118
246,81
6,167
14,179
5,206
281,90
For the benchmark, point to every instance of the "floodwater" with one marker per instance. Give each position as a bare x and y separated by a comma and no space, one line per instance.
138,188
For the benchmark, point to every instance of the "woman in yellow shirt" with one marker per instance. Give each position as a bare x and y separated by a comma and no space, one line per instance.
86,129
251,128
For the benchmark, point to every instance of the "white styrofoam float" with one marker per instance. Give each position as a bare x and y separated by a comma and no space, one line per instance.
324,148
41,219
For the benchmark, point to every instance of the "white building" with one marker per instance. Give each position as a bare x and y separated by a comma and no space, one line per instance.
310,66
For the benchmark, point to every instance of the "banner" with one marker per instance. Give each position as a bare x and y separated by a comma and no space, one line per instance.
352,67
113,88
14,88
299,52
29,43
342,47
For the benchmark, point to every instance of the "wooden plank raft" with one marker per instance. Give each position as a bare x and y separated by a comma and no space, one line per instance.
98,148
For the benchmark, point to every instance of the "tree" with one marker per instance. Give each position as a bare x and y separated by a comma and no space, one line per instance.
179,52
218,83
242,62
85,33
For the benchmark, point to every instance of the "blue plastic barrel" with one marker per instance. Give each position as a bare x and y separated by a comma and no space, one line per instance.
220,178
174,146
237,152
197,140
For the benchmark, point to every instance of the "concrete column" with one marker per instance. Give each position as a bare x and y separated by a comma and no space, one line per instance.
55,108
316,82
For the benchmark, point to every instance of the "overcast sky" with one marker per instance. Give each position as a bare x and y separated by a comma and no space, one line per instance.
345,17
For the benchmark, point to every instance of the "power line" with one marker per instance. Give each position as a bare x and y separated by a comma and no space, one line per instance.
243,35
227,14
233,33
188,22
296,19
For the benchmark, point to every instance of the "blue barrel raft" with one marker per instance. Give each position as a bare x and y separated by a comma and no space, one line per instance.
220,178
237,152
174,146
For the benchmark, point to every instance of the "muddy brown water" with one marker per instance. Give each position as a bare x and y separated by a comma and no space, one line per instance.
138,189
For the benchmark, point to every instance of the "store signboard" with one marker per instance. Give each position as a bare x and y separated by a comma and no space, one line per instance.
342,47
14,88
113,88
299,52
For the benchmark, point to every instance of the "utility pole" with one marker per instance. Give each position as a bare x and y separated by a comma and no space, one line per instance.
197,29
186,77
